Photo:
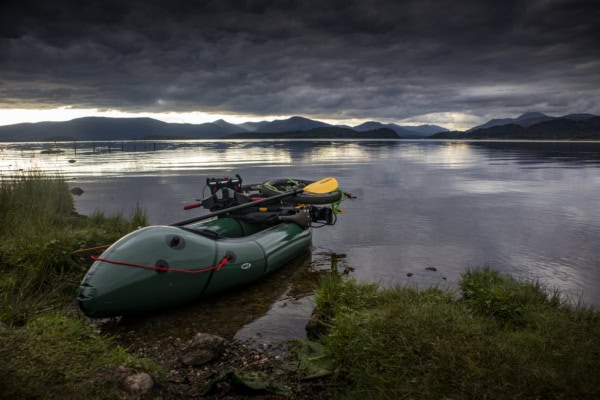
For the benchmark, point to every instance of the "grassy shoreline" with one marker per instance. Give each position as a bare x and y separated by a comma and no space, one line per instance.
493,338
46,348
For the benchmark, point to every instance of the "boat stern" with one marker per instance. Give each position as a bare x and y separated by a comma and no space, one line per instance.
137,273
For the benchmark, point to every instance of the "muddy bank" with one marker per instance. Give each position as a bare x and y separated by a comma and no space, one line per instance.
242,370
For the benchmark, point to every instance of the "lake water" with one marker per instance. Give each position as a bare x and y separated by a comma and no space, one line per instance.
424,210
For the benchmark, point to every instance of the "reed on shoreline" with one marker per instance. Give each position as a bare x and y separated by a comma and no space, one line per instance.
40,231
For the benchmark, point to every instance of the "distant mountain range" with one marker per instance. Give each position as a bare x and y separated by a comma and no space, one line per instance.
528,119
100,128
531,125
406,132
324,132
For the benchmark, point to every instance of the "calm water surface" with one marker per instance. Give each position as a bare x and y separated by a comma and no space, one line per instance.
528,209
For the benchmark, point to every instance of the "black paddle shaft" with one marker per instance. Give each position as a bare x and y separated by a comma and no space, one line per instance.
237,208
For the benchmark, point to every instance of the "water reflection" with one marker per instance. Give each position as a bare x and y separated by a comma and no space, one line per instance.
452,155
523,152
287,317
89,159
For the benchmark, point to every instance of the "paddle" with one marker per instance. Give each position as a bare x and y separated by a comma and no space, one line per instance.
325,185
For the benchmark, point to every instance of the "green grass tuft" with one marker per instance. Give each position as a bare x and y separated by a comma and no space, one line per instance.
32,204
503,298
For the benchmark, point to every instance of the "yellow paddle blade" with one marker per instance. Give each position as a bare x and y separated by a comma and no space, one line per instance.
325,185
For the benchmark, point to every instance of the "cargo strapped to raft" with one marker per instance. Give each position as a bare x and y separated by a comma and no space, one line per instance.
300,208
275,187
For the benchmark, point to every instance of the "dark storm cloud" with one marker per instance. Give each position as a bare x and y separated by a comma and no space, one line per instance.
379,59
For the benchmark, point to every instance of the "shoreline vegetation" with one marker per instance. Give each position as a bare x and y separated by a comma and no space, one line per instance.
493,337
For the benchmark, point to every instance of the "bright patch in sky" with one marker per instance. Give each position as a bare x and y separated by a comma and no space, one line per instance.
448,120
499,90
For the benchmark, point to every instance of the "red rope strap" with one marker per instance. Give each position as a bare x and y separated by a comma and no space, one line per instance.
163,269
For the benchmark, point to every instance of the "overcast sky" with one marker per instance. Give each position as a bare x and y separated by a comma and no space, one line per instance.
452,63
